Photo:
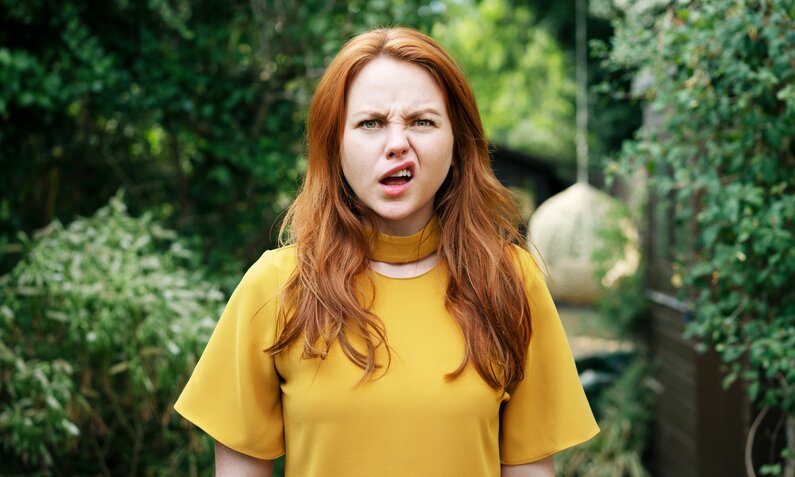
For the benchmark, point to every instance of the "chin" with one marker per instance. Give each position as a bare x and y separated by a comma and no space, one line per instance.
394,215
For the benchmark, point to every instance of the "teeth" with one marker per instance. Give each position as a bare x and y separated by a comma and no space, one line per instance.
403,173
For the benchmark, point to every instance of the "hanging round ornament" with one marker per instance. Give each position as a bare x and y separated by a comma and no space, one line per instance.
566,231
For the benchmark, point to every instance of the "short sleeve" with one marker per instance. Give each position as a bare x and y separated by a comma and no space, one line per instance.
234,392
547,411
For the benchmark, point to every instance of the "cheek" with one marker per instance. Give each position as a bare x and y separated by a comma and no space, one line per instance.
442,152
346,167
345,157
351,168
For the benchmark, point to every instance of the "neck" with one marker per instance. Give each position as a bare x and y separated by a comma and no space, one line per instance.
406,226
397,249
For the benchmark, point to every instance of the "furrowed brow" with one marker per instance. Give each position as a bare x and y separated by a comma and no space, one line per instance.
424,112
373,114
369,114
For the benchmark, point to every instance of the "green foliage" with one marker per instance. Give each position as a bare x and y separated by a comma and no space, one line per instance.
101,323
722,82
521,77
625,411
621,271
196,109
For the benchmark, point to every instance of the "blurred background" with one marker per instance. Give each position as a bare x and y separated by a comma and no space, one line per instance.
149,149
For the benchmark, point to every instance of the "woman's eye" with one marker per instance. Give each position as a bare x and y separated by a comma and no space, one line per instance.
369,124
424,122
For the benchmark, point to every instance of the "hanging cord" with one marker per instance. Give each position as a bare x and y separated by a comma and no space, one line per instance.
581,135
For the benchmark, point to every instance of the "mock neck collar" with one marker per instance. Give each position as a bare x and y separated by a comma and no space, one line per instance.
406,249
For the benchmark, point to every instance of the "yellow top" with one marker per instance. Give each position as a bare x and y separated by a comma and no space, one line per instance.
410,421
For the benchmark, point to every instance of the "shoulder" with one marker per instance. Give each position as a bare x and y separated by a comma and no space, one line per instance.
266,277
274,265
527,264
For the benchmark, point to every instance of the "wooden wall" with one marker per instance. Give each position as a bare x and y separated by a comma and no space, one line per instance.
699,428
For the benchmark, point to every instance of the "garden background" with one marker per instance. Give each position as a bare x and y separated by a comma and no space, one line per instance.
148,150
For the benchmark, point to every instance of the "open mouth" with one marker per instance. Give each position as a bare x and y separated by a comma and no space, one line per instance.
400,177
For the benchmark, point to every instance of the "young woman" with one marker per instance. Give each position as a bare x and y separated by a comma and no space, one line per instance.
405,331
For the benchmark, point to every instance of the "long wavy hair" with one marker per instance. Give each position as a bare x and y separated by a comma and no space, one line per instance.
331,229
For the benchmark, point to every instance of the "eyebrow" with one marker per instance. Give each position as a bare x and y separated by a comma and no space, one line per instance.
413,114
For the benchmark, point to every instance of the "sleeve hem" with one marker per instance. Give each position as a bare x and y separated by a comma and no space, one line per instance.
216,435
567,445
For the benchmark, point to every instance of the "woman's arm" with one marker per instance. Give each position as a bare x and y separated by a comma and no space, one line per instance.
541,468
230,463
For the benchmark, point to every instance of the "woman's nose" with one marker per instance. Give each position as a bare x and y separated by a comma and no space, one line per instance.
397,144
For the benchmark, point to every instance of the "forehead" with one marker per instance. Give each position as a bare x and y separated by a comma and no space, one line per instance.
385,83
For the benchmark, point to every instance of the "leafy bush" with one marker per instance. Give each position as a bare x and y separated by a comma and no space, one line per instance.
518,71
100,324
721,81
196,108
624,418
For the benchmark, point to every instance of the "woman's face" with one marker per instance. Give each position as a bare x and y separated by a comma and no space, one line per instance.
397,145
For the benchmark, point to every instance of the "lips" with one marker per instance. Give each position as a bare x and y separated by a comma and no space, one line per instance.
404,165
393,186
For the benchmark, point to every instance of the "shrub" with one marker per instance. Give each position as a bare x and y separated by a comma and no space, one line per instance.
625,418
721,80
100,325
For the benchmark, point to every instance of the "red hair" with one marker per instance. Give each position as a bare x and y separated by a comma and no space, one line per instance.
329,225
